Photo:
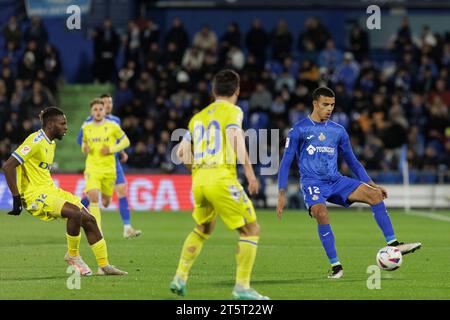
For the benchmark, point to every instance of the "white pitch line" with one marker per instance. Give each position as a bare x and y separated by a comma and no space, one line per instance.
430,215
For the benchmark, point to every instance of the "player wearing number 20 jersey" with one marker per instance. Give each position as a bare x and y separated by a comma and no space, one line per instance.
214,165
210,148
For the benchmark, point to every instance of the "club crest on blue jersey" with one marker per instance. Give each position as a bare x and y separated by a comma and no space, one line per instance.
322,136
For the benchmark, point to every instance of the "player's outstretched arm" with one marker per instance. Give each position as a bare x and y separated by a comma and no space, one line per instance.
236,138
9,167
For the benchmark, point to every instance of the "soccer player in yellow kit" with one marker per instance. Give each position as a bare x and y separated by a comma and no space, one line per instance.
27,173
210,148
99,144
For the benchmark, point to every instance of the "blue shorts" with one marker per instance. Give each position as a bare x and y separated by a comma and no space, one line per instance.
120,176
337,192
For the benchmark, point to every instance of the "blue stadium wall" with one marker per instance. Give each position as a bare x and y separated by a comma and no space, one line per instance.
76,48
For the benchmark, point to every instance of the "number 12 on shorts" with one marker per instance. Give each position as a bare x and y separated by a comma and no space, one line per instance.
313,190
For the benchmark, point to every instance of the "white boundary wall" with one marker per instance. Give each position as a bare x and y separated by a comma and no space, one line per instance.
420,196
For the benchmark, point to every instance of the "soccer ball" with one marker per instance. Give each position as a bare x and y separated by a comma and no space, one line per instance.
389,258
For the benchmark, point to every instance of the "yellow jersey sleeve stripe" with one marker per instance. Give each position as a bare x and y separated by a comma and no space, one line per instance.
18,158
121,137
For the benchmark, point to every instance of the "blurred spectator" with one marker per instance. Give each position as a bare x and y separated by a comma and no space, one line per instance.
205,39
149,33
426,38
359,42
140,157
285,80
310,52
177,34
37,32
261,99
257,41
330,57
193,59
282,41
106,46
347,72
315,33
441,91
231,38
236,58
12,32
52,67
132,42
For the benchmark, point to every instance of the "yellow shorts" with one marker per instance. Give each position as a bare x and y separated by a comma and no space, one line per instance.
104,182
46,204
228,200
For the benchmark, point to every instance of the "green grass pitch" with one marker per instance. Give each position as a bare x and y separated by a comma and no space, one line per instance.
290,264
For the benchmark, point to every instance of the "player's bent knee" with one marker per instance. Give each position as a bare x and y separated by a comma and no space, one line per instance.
320,215
250,230
88,219
70,211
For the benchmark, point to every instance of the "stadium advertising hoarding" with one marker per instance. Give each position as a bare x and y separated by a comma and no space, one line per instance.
54,8
146,192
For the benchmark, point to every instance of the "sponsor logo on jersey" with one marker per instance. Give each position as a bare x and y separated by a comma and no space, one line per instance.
311,150
310,137
24,151
38,137
45,165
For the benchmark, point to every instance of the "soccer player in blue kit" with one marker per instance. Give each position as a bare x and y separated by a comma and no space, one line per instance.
317,141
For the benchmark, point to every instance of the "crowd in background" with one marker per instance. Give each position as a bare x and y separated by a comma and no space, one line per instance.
29,73
165,79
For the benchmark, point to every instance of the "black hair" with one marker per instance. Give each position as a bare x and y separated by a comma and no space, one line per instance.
225,83
323,91
105,95
48,114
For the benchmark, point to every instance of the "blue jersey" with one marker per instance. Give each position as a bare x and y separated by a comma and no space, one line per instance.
317,146
89,119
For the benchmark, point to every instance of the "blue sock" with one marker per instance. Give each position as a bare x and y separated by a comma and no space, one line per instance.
85,202
124,210
327,238
384,222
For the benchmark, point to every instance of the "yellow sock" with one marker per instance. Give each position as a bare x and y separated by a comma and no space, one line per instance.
245,258
95,211
73,244
191,249
101,252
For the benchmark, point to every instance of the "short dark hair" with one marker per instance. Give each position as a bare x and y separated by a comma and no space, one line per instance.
48,114
225,83
105,95
323,91
96,101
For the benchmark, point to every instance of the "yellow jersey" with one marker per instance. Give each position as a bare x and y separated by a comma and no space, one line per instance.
97,136
35,156
214,157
